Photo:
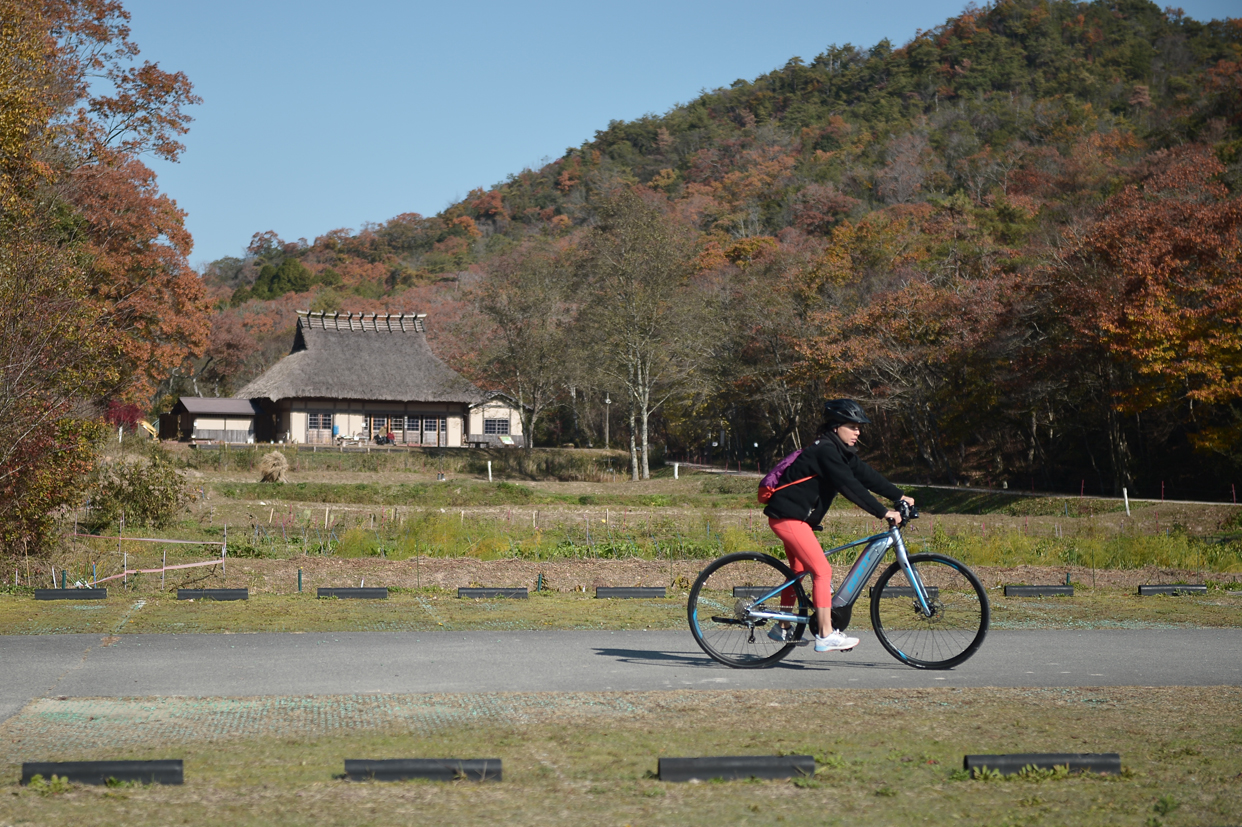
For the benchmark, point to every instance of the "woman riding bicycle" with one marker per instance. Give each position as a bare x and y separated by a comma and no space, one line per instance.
828,466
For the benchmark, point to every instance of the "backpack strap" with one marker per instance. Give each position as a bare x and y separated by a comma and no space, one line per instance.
795,482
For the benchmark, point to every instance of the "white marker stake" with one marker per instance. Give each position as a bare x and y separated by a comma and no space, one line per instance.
1126,495
674,470
489,470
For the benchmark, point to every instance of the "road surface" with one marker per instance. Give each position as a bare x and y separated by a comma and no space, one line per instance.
413,662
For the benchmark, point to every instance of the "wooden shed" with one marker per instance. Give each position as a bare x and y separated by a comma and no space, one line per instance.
210,419
363,375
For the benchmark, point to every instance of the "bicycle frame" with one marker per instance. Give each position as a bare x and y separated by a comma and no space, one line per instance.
859,575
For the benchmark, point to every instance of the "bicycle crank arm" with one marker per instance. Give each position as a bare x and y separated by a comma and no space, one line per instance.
779,616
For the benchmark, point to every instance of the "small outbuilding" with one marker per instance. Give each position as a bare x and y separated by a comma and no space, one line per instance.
210,419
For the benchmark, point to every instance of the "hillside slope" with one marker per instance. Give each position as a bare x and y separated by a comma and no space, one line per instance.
980,172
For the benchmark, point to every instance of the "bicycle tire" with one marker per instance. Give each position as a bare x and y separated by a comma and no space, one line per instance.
957,627
716,611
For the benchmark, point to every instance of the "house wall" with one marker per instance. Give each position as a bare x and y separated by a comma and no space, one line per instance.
350,417
223,428
495,410
297,426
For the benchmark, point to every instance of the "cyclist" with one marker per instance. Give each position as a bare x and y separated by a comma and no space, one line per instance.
828,466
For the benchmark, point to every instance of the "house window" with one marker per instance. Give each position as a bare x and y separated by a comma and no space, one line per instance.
435,431
495,426
379,425
319,427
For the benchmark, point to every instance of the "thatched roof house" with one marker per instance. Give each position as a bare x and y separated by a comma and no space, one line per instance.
365,375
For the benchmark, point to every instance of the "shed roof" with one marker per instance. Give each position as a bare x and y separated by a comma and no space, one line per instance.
215,405
366,356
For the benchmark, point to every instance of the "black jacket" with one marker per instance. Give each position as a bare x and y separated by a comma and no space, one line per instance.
836,469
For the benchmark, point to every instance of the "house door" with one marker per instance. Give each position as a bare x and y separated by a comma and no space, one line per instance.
435,430
319,428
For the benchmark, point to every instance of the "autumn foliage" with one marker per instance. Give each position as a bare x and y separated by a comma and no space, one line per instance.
1015,238
99,302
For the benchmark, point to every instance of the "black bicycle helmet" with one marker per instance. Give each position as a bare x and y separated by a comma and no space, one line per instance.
840,411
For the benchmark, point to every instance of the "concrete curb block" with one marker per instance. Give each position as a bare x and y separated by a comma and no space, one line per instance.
71,594
753,592
1147,591
1101,762
98,772
630,592
1039,591
736,766
904,591
514,594
369,593
213,594
435,769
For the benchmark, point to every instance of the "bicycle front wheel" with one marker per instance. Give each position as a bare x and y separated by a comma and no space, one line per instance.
959,619
720,603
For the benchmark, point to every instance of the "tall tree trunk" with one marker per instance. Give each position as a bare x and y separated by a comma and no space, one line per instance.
646,415
633,446
1119,451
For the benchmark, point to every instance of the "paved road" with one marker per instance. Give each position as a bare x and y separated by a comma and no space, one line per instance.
411,662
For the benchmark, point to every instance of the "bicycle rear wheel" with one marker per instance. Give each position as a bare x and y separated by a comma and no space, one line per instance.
721,598
959,620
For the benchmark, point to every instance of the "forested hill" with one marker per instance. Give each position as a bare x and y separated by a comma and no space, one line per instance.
1016,236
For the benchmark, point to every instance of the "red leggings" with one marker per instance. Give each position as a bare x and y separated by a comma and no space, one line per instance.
805,554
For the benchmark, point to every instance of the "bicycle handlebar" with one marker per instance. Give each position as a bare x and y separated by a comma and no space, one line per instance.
908,512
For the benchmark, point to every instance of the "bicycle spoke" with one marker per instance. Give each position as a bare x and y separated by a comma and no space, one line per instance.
959,618
719,606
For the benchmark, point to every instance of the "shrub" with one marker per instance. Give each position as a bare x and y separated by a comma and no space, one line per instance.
148,493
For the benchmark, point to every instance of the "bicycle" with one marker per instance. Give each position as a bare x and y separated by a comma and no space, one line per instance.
928,610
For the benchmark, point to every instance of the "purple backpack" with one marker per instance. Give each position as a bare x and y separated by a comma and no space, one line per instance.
769,485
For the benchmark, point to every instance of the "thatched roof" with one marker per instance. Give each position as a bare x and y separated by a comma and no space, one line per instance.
367,356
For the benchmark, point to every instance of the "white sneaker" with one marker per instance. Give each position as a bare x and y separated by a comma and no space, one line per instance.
835,642
781,634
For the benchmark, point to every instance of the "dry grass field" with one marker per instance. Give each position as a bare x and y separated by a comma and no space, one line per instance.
883,757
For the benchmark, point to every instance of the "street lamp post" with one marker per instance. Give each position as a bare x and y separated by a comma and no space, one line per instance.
607,409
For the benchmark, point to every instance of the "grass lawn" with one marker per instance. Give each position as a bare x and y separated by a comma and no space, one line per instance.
884,757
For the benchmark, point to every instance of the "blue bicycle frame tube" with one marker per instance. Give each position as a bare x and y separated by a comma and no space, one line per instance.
858,576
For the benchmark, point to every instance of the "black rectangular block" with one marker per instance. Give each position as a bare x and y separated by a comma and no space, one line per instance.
98,772
630,592
518,594
1039,591
71,594
435,769
1177,588
905,591
1101,762
366,593
213,594
753,592
736,766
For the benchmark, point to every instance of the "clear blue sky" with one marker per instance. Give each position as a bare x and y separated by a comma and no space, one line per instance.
321,115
